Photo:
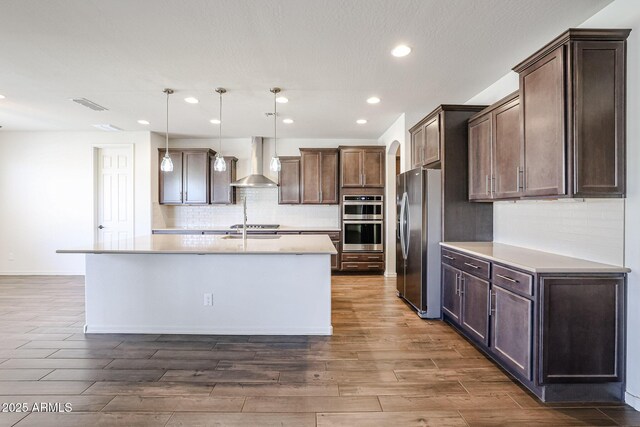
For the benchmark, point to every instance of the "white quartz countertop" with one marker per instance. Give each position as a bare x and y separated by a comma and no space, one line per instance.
212,244
229,229
531,260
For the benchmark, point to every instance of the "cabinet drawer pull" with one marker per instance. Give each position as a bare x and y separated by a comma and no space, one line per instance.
448,257
372,266
507,278
472,265
373,257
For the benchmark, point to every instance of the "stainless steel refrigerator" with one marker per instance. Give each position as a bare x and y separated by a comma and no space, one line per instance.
419,222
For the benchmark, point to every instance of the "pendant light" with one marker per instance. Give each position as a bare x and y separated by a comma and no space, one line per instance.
220,165
275,165
167,163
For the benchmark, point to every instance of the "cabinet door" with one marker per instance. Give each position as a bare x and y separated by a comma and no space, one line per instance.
222,192
196,177
289,181
310,165
432,141
507,151
542,98
373,169
170,183
475,307
480,158
450,297
599,94
351,167
329,177
417,147
512,330
582,329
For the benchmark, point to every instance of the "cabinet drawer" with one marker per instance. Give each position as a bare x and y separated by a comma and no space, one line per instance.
466,263
362,266
369,257
512,279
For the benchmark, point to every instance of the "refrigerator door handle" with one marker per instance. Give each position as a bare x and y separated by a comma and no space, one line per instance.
403,208
407,227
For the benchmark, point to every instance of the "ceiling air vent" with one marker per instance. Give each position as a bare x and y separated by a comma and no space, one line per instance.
89,104
107,127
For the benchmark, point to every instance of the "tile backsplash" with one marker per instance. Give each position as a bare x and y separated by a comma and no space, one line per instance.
262,208
592,229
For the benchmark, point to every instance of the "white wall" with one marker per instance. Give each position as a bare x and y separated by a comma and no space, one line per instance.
46,179
393,139
520,223
262,203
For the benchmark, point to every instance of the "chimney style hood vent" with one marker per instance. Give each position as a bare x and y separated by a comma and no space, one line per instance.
256,179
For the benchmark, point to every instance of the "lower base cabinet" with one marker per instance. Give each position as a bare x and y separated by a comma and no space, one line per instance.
561,335
362,261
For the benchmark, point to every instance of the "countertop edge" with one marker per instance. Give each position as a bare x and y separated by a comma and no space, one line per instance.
611,269
160,252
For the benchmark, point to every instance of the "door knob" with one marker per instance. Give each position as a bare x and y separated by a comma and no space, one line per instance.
100,227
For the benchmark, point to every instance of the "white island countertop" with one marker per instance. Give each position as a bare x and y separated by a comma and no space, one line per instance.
228,229
532,260
212,244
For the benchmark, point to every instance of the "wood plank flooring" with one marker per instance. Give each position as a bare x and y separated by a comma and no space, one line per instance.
382,367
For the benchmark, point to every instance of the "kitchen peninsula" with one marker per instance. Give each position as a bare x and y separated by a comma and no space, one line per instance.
208,284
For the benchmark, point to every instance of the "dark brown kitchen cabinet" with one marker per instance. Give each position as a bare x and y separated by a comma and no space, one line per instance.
561,334
362,167
222,193
319,176
495,161
480,169
451,303
512,337
425,141
589,345
572,94
289,181
189,182
475,306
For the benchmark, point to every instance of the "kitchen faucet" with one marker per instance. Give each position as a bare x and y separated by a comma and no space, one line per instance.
244,220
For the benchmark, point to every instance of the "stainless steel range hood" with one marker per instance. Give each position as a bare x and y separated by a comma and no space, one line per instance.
256,179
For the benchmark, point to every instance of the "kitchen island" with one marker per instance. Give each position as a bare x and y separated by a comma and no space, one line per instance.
207,284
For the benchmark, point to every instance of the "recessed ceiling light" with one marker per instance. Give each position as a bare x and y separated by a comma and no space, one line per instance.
287,121
282,100
191,100
361,121
373,100
2,97
143,122
215,121
400,51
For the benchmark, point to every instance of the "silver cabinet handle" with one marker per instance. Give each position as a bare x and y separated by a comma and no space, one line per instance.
372,266
458,284
373,257
486,184
507,278
448,257
472,265
493,184
462,282
492,302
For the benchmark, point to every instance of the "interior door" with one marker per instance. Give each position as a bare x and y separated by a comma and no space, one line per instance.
114,207
414,277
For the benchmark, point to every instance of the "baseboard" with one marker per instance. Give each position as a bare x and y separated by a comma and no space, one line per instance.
89,329
390,274
42,273
632,400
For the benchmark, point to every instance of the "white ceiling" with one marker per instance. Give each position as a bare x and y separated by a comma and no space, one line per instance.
329,56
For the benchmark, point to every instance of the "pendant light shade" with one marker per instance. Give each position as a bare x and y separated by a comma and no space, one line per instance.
167,163
220,165
275,164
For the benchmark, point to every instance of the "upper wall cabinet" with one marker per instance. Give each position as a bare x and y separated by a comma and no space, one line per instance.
319,176
495,154
222,193
188,183
425,141
572,108
289,181
362,167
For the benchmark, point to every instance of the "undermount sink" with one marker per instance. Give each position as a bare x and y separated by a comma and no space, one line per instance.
255,236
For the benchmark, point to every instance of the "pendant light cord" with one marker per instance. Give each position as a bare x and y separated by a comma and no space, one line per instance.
275,124
220,126
167,133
